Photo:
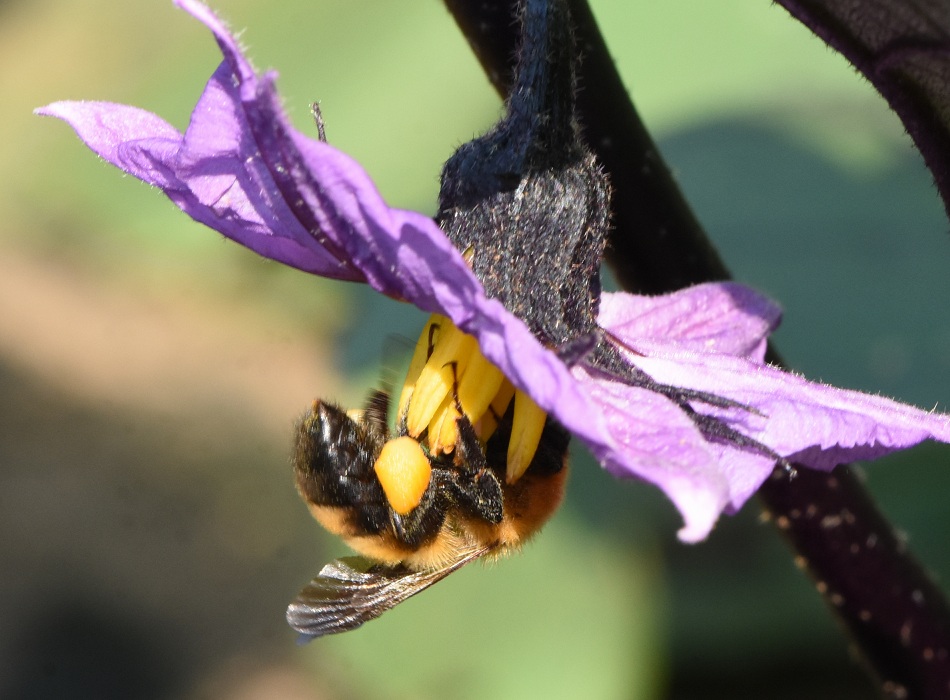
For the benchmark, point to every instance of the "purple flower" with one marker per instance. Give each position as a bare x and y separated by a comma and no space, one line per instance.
242,169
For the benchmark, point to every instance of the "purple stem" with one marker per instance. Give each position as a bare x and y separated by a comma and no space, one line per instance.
903,49
897,617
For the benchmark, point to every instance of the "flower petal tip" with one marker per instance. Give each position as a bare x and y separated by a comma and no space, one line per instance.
700,513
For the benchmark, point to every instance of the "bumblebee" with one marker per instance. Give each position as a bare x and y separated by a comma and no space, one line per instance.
414,522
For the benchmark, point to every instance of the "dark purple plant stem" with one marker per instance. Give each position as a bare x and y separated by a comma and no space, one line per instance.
903,48
896,616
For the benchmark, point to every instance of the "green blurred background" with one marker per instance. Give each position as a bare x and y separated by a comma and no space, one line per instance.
151,372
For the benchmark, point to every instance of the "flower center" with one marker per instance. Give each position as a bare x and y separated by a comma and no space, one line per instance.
449,378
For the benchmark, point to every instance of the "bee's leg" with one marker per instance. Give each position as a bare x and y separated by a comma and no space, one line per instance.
424,521
375,417
479,494
474,485
333,467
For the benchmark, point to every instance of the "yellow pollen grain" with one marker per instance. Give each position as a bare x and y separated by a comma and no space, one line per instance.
404,472
527,424
438,377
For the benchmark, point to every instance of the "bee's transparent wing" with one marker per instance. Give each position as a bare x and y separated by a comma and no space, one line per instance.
354,590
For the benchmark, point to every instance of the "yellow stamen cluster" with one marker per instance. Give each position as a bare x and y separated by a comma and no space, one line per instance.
448,372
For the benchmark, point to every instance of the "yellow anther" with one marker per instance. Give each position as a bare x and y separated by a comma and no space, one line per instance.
478,386
443,428
499,404
527,424
428,338
448,373
438,377
404,472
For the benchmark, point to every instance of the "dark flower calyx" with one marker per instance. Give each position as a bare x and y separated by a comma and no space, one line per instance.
527,198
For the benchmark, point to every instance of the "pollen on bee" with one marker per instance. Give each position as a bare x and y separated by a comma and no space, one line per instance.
404,472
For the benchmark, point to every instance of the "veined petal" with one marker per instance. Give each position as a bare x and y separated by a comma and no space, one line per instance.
241,169
225,186
814,424
650,438
720,317
808,423
332,196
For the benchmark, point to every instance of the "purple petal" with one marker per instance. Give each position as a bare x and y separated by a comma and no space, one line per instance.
243,170
223,187
719,317
810,423
399,253
645,435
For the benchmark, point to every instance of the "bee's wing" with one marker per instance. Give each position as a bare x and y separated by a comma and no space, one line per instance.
354,590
